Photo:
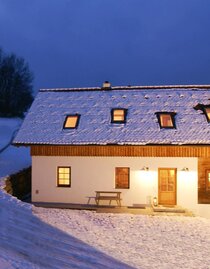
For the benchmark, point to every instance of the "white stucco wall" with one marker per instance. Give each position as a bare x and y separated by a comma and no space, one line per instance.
89,174
203,210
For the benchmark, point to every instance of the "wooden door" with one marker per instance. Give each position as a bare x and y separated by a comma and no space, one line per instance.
167,186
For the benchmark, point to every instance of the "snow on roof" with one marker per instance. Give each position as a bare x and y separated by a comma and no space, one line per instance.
44,121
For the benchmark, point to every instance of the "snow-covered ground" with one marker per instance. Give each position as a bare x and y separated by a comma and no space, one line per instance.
138,240
26,242
7,128
38,238
12,159
59,238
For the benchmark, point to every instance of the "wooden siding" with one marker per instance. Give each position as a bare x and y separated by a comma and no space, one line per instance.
117,150
203,192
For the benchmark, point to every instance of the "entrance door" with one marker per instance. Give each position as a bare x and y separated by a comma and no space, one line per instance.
167,186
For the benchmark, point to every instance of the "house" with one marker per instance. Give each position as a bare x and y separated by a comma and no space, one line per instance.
145,141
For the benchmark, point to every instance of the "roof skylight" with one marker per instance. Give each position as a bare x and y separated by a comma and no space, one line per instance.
166,119
118,115
71,121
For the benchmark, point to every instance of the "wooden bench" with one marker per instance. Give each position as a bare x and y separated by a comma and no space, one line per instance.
108,196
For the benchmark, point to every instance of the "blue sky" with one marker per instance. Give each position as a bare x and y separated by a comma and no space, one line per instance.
78,43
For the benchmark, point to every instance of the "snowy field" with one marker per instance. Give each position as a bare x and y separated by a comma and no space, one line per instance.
26,242
39,238
8,127
138,240
55,238
12,159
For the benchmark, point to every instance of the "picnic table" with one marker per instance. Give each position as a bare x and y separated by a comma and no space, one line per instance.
108,196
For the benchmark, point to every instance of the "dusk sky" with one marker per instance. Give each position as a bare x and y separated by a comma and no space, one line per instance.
79,43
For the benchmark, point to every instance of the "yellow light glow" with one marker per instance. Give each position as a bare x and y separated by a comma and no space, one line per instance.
208,112
165,120
118,115
71,122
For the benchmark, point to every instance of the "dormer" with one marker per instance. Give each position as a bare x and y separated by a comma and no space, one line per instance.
205,109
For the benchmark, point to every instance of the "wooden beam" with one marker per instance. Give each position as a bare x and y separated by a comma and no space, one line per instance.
123,151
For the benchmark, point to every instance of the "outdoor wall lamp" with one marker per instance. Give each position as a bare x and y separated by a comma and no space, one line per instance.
145,168
186,169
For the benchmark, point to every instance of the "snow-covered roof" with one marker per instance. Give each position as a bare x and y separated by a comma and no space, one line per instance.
44,121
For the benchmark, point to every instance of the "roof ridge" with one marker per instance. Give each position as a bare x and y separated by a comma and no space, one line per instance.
129,87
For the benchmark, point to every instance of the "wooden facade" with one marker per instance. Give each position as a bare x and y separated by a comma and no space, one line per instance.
122,150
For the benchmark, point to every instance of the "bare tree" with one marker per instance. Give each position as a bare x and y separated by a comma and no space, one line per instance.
15,85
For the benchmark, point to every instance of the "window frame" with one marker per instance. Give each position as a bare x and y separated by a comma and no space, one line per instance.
128,183
118,121
172,116
207,114
63,185
207,181
77,121
203,109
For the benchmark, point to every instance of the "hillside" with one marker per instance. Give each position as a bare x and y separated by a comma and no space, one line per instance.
28,242
12,159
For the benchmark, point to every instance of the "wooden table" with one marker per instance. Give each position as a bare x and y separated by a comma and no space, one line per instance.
108,196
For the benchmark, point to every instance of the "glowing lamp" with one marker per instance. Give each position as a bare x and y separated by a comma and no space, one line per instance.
155,202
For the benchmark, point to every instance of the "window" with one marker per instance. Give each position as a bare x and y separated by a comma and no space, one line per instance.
205,109
207,112
122,177
118,115
208,180
71,121
64,177
166,119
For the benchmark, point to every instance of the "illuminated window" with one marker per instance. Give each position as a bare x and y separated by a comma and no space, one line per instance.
207,112
205,109
208,180
166,119
122,177
118,115
64,177
71,121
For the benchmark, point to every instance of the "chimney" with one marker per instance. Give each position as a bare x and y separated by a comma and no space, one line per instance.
106,85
